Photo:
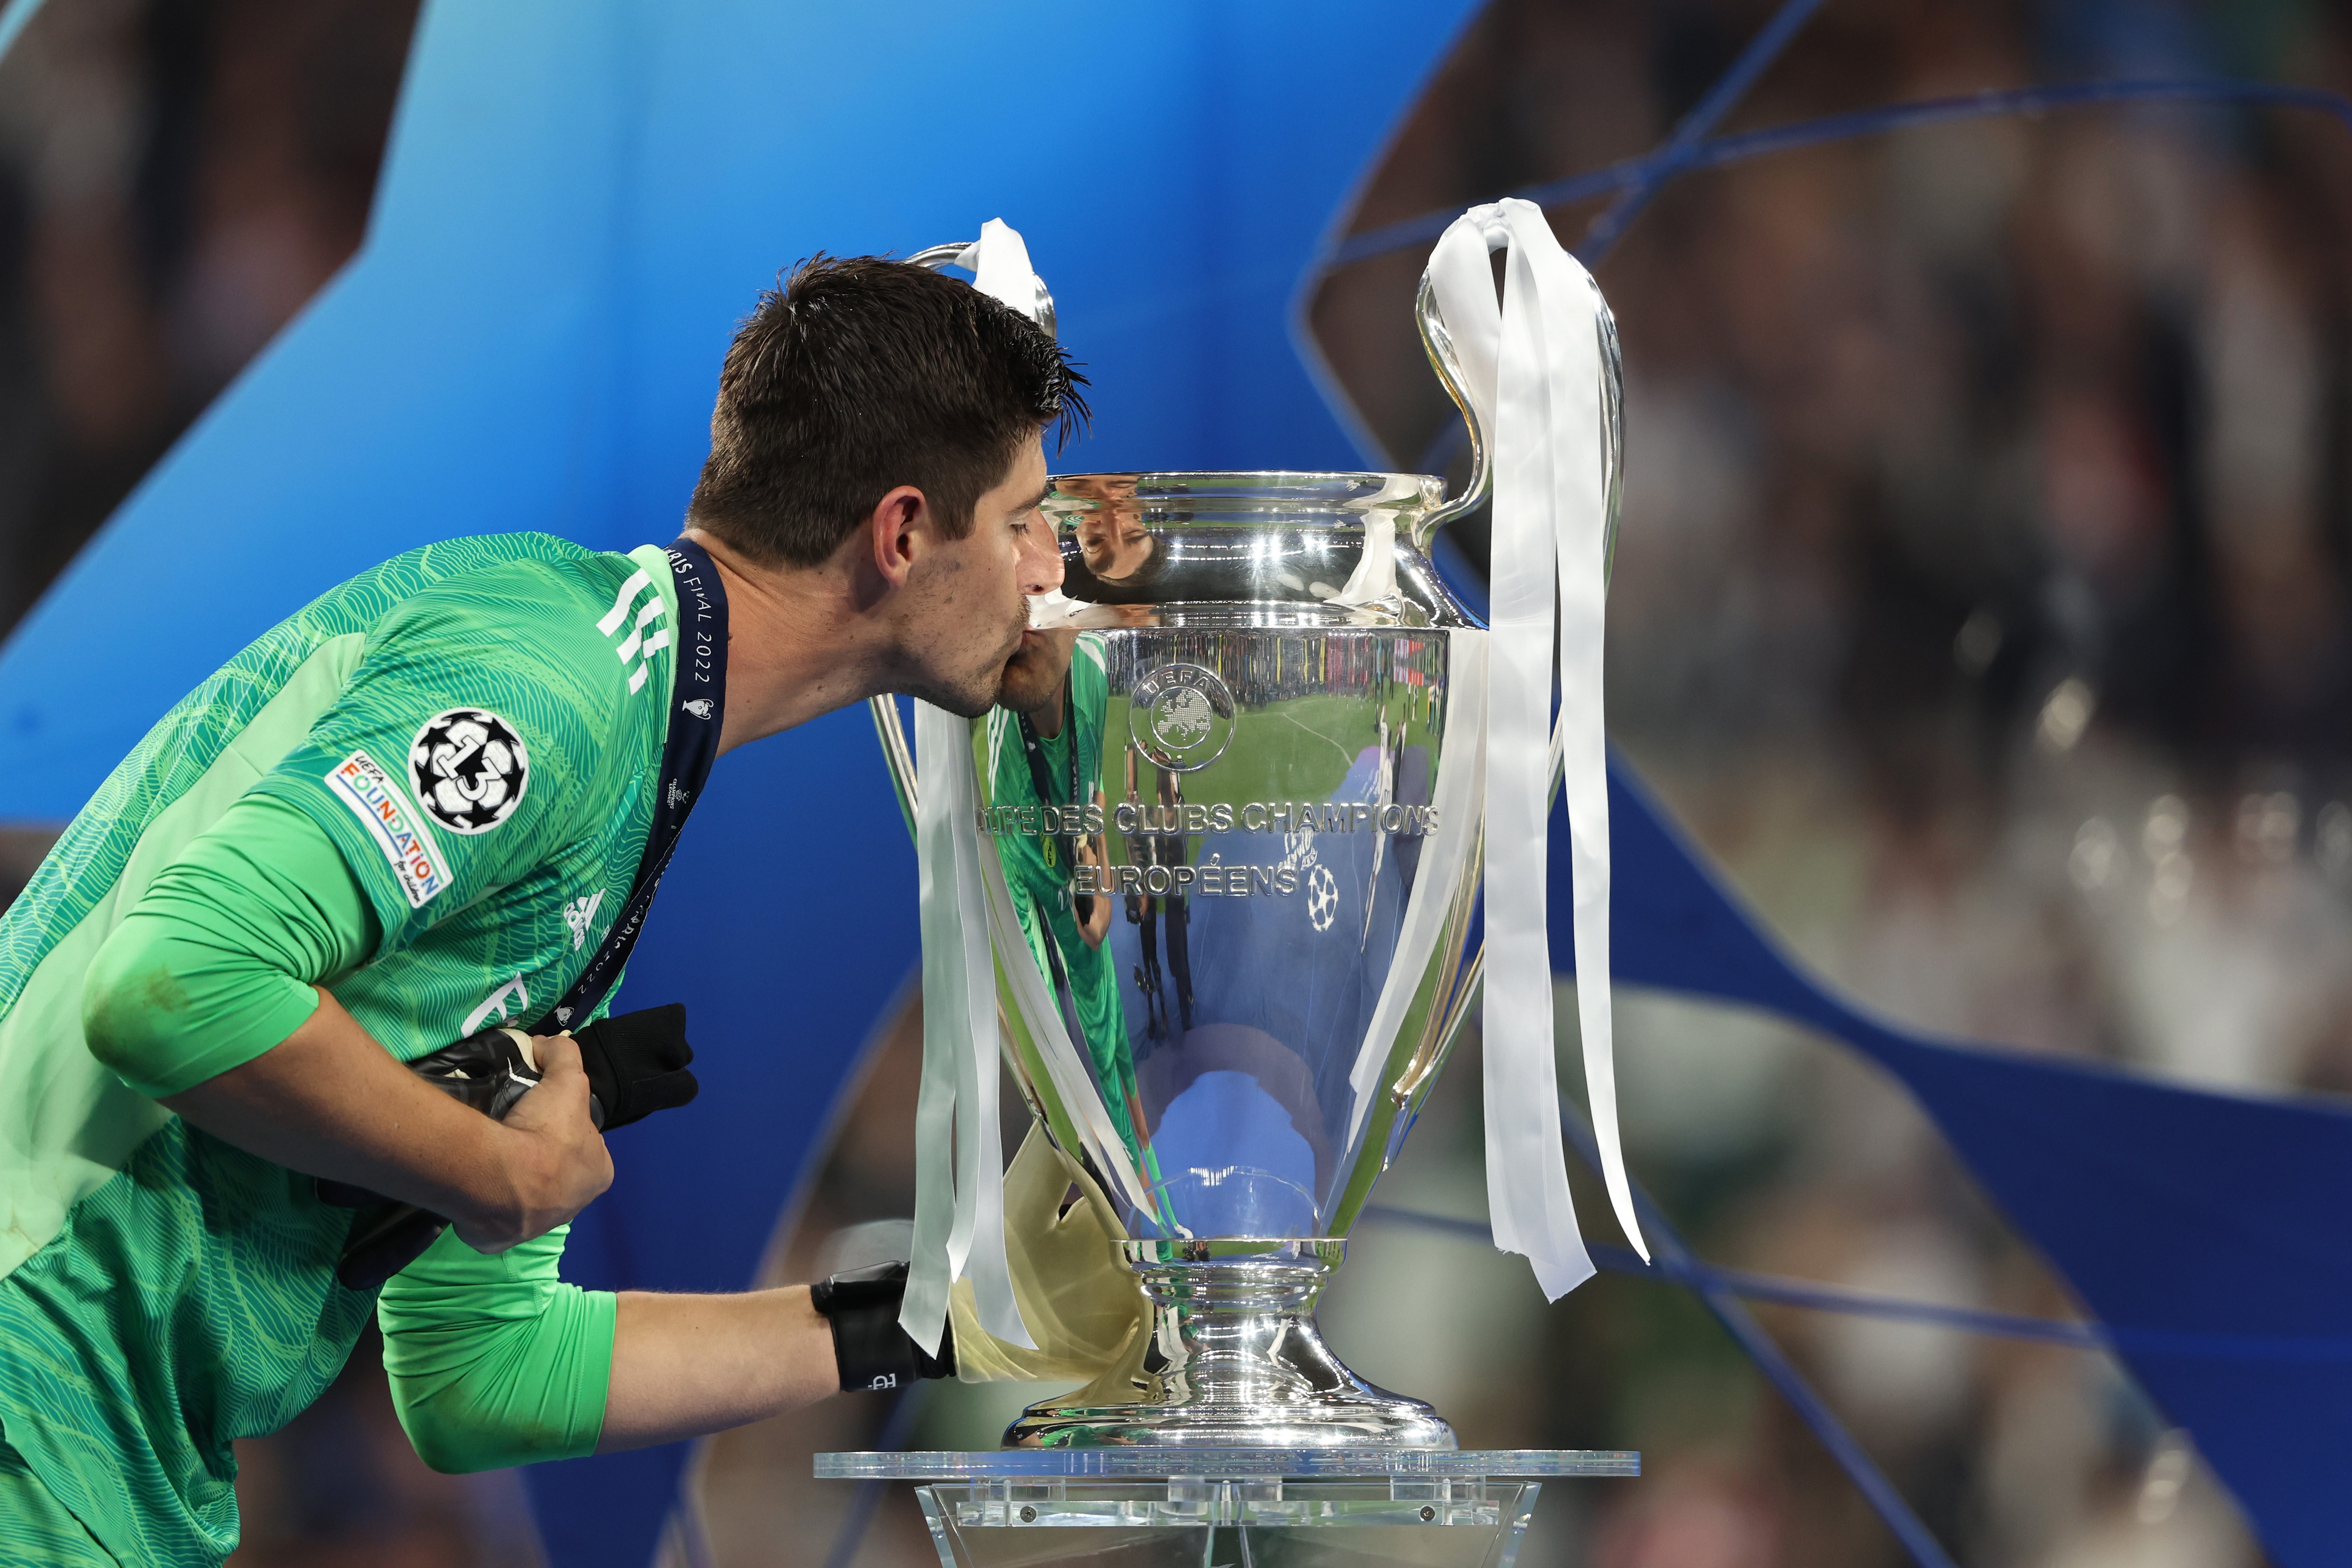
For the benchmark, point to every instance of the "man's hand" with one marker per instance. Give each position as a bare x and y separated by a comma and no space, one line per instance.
329,1101
561,1165
872,1353
635,1064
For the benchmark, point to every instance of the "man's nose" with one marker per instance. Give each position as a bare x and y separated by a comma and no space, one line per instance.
1040,558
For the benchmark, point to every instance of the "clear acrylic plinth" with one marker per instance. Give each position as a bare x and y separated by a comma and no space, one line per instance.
1245,1507
1224,1463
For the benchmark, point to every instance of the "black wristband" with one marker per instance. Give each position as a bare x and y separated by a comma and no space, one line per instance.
870,1350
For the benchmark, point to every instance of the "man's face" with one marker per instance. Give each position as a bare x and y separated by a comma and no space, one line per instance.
1033,680
1112,539
1113,543
969,611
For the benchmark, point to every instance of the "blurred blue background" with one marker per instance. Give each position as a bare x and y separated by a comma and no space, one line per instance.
1981,614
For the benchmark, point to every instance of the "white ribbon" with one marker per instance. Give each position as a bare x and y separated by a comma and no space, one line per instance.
1072,1082
958,1150
1532,369
1437,877
999,264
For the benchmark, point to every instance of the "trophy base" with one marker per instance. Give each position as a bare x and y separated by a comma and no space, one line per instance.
1232,1361
1185,1523
1183,1507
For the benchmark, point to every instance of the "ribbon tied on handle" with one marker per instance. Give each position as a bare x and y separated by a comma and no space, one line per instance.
1531,369
958,1150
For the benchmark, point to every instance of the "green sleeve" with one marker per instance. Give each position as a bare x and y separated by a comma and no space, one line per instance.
493,1360
214,963
470,748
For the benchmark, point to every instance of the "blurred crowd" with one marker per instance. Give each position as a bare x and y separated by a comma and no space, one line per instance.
1981,605
177,177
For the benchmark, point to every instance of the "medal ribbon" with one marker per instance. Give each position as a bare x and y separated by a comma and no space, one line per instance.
1532,369
688,748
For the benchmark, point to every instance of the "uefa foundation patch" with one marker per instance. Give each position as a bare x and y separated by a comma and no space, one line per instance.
392,822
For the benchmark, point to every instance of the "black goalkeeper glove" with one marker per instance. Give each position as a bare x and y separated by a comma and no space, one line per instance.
635,1065
486,1070
872,1353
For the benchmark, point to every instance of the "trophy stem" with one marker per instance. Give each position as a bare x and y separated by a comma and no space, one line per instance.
1232,1361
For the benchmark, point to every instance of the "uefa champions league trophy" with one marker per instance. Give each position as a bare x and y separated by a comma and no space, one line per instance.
1233,937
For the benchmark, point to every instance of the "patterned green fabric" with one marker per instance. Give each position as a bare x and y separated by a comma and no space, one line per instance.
35,1530
164,1293
208,971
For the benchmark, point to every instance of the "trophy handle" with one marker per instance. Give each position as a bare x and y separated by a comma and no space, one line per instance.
1439,344
897,753
1446,1024
940,256
1447,363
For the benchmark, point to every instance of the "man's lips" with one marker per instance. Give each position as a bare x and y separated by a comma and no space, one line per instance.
1053,609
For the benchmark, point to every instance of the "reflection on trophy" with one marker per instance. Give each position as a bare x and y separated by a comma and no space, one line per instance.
1252,851
1234,803
1044,754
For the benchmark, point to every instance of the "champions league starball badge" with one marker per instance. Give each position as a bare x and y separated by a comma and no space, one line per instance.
470,769
1181,716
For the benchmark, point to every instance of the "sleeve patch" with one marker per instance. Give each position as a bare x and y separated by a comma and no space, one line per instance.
470,769
382,806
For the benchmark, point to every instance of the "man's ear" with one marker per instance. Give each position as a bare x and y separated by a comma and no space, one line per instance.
896,534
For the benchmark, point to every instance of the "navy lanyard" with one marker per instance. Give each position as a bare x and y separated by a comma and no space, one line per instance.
1042,781
1041,778
698,706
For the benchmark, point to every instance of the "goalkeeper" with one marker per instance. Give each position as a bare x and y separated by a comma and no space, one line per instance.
431,802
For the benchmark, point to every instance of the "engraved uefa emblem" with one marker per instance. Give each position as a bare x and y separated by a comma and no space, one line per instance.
1182,717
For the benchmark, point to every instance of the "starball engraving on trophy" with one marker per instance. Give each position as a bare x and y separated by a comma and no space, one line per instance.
1181,716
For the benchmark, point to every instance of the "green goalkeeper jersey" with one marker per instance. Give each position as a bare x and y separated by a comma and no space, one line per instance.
478,727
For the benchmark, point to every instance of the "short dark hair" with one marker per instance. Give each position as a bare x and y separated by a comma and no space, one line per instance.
861,374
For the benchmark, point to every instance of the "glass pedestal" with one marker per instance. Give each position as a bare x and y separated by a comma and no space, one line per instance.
1229,1507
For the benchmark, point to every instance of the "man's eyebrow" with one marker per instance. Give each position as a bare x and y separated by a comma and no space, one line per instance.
1039,499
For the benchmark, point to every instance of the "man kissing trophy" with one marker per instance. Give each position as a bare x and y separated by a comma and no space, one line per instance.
1208,881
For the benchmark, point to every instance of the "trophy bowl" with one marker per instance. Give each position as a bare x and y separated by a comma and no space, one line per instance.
1212,873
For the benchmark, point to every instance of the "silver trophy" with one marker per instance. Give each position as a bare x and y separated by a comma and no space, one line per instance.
1232,872
1247,881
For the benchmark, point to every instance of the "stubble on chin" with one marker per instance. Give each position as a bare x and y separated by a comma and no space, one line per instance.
972,699
968,700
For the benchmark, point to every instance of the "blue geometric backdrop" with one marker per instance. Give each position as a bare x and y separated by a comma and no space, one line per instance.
579,202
